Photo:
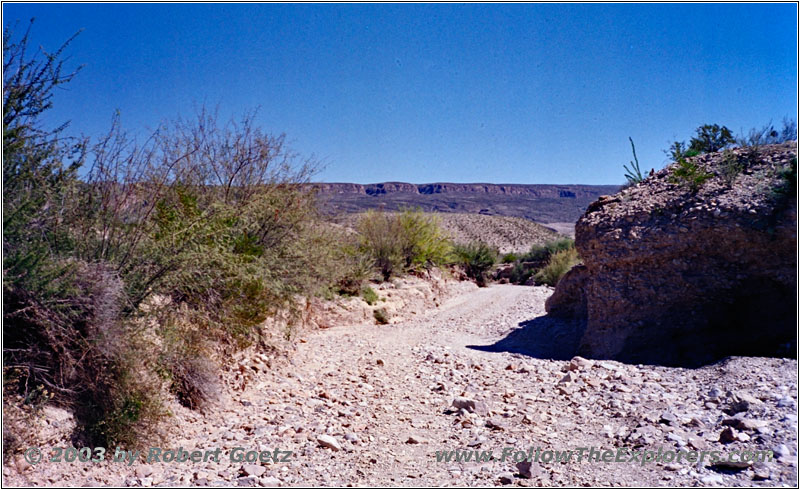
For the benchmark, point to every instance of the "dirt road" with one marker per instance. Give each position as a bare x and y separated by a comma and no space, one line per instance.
372,405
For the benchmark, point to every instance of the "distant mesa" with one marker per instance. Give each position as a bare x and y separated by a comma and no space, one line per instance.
543,203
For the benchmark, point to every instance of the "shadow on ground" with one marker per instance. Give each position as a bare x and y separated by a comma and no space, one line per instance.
544,337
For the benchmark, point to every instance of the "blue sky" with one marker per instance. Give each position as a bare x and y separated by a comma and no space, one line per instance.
514,93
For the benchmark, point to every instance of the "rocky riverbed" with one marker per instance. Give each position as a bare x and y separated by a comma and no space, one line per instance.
363,404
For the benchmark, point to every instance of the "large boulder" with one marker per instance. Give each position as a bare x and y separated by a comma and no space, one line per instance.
683,271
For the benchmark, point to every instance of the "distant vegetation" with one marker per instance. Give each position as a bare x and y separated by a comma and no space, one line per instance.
477,258
546,264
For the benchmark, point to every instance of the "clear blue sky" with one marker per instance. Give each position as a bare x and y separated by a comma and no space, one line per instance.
516,93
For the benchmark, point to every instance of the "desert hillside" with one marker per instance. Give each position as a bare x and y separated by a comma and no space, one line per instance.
505,233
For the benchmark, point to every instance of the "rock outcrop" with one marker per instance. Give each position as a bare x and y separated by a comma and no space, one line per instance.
686,270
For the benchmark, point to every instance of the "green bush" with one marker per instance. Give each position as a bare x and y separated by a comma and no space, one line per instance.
558,265
402,242
689,174
710,138
369,295
509,258
206,215
477,259
520,273
539,253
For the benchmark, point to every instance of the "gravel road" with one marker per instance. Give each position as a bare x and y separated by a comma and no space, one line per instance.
486,371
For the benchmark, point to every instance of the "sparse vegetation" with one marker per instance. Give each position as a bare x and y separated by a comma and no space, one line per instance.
731,166
539,258
710,138
633,174
540,253
381,316
558,265
476,258
369,295
509,258
689,174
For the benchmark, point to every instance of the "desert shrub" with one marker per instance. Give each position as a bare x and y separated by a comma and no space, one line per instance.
402,242
380,239
207,214
537,258
731,166
520,273
423,244
381,316
509,258
558,265
689,174
788,186
369,295
769,135
539,253
710,138
185,360
477,258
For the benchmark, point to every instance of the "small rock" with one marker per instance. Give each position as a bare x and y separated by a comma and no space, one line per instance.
731,465
495,425
696,443
351,437
247,481
506,478
462,403
579,363
761,472
526,469
781,451
269,481
379,362
727,435
415,440
742,423
477,442
668,418
712,480
568,378
329,442
252,470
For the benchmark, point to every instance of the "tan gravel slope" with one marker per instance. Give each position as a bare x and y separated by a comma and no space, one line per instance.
507,234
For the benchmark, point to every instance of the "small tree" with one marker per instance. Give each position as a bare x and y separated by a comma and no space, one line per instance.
710,138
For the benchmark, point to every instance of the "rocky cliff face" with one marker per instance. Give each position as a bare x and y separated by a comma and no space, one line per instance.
687,270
